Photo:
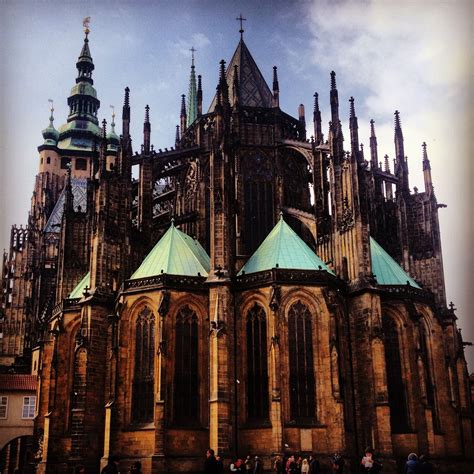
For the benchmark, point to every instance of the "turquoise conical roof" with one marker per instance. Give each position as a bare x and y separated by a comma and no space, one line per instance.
175,254
81,286
283,248
386,270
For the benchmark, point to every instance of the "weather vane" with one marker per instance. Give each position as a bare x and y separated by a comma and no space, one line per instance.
85,24
113,112
193,50
51,101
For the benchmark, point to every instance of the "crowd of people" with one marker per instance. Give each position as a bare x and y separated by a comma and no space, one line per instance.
292,464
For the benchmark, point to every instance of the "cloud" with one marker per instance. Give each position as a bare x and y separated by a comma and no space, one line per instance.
415,57
197,41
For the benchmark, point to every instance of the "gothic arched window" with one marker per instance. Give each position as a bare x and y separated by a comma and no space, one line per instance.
396,386
186,368
430,388
257,369
302,379
258,200
143,376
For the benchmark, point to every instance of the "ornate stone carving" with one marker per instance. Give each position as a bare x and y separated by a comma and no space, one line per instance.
346,221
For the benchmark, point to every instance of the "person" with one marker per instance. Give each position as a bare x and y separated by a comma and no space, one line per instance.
314,467
219,465
278,465
112,466
299,462
248,464
338,463
136,467
237,466
291,465
258,466
425,465
367,461
210,464
412,465
305,466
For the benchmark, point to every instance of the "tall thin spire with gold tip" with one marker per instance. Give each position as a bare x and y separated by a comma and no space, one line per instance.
192,94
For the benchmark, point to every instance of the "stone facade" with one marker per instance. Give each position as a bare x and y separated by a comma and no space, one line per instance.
281,360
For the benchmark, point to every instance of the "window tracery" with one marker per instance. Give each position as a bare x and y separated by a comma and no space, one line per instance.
257,369
396,385
186,372
302,377
143,377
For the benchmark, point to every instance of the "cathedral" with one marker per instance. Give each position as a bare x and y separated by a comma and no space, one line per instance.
258,288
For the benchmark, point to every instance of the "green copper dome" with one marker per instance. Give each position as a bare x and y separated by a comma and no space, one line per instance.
175,254
113,140
283,248
386,270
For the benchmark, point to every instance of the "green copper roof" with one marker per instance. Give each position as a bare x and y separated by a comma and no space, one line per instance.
80,287
175,254
283,248
386,270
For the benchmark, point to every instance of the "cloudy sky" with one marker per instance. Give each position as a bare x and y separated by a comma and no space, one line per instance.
413,56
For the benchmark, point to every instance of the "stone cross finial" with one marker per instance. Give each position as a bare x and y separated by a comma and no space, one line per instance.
241,19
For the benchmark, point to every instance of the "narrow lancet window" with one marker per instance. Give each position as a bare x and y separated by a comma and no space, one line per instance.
302,377
257,367
396,386
143,377
430,386
186,374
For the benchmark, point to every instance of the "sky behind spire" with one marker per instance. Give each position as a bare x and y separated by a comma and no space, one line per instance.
408,56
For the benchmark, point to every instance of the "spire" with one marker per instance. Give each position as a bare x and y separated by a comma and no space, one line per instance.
146,130
112,138
84,64
68,196
223,84
334,101
402,167
183,116
176,140
126,114
318,135
83,102
301,115
427,171
399,151
103,148
254,91
199,96
354,129
276,88
192,93
374,159
387,164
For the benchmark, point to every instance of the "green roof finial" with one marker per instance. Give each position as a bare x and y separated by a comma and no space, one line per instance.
50,134
192,95
112,125
51,117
